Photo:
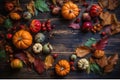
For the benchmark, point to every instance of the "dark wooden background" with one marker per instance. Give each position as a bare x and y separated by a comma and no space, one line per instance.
64,42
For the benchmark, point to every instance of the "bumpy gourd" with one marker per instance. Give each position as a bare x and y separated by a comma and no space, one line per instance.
83,64
37,48
39,37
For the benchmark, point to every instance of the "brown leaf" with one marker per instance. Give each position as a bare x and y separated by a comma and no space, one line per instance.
31,59
100,45
31,7
102,62
112,4
103,3
82,51
108,68
39,65
113,59
49,60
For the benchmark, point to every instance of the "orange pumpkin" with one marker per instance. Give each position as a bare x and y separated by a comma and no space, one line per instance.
15,16
62,68
22,39
70,10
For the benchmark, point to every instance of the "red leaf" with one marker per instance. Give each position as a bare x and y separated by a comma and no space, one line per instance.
100,45
74,25
39,65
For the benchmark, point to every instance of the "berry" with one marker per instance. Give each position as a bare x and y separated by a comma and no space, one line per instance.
55,55
85,4
103,33
77,20
9,36
73,68
71,63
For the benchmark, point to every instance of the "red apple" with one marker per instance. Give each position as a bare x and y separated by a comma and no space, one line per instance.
87,26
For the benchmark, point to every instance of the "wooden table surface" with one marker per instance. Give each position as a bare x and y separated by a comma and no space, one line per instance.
64,42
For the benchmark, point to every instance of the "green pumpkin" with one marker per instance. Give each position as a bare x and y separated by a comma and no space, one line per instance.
39,37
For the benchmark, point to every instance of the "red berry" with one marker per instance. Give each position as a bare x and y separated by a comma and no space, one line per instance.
71,63
103,33
9,35
73,68
52,6
55,55
48,25
22,26
49,28
48,21
44,28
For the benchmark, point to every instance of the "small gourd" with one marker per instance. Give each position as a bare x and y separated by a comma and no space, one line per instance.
37,48
39,37
47,48
99,53
73,57
83,64
27,15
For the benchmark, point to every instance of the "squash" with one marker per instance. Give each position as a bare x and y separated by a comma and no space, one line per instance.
83,64
95,10
70,10
35,26
16,64
15,16
37,48
39,37
22,39
62,68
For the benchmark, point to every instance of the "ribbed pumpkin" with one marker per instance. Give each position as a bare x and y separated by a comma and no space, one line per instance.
22,39
70,10
15,16
62,68
95,10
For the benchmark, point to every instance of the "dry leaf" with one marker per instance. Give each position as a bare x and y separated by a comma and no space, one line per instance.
82,51
112,4
103,3
102,62
31,59
74,25
39,65
113,59
31,7
108,68
107,18
49,60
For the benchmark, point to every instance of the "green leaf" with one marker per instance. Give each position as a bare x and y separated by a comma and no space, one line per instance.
95,68
8,23
41,5
90,42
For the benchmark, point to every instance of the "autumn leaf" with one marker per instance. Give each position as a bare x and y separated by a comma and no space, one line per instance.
39,65
82,51
49,60
100,45
74,25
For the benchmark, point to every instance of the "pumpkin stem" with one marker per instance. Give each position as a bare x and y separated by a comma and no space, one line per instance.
62,68
20,38
70,11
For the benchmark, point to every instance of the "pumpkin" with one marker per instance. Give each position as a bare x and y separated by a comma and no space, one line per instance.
22,39
39,37
70,10
37,48
15,16
35,26
99,53
62,68
95,10
83,64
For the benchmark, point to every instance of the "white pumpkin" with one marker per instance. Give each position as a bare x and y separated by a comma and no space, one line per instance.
83,64
37,48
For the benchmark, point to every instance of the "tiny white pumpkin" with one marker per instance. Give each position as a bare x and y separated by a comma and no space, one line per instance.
83,64
37,48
